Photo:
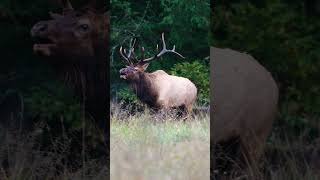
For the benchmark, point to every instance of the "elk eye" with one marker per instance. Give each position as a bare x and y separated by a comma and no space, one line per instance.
84,27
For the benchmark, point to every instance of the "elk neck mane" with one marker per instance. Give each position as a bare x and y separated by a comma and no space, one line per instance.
84,77
145,88
90,74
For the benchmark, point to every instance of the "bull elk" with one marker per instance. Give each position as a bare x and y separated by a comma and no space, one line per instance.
157,89
244,105
76,43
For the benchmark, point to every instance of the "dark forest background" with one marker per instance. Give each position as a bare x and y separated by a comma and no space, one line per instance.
284,37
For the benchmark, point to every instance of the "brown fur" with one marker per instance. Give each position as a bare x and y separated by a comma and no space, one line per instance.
244,103
78,49
145,90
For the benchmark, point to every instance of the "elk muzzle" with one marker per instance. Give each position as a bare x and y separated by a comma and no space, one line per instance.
123,73
40,29
44,45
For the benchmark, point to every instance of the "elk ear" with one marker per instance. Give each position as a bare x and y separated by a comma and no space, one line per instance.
145,66
67,7
55,15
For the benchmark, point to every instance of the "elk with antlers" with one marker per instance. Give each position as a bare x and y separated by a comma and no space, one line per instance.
158,89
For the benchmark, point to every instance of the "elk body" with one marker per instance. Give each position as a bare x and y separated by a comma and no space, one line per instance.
158,89
76,44
244,105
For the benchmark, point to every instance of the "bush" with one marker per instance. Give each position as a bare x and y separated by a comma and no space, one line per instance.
126,95
53,108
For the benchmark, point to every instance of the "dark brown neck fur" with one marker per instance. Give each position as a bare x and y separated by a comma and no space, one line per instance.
145,89
89,82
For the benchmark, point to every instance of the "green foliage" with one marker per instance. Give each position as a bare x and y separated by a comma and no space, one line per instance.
199,74
286,41
126,95
188,22
54,108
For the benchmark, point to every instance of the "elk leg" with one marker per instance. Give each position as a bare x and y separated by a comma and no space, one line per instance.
251,150
189,109
185,111
226,155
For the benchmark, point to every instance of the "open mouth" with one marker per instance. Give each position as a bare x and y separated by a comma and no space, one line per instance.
123,76
43,46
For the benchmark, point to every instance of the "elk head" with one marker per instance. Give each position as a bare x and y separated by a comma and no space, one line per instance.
74,33
136,67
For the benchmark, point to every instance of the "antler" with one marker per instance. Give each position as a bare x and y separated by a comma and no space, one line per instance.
66,5
130,55
163,51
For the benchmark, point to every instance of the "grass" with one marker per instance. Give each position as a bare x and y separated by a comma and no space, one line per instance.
152,146
146,145
283,159
24,157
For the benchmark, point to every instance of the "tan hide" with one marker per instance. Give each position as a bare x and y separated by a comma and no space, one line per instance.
174,91
244,100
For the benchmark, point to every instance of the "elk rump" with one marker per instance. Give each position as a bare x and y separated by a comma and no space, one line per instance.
243,104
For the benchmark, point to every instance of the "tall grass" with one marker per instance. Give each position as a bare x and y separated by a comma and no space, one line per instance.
283,160
25,156
148,145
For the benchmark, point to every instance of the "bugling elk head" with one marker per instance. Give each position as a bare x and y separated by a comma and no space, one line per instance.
77,43
136,66
74,33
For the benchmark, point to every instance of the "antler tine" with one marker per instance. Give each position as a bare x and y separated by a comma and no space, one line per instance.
163,51
66,5
124,56
142,52
134,57
131,53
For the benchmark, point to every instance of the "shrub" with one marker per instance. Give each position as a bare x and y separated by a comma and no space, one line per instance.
127,96
53,107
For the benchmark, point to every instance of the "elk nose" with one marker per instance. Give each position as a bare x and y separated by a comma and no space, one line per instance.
122,71
39,29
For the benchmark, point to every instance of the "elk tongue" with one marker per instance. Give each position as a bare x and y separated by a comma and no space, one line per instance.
43,49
